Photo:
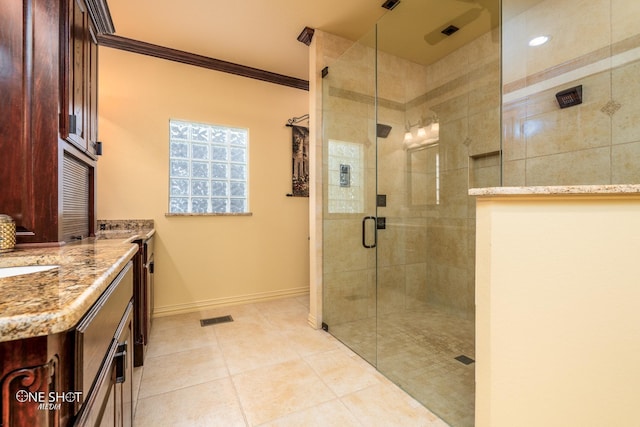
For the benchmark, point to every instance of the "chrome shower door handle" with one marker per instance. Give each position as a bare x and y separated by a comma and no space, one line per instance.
364,232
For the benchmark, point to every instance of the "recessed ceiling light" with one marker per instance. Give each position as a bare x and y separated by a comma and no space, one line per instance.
540,40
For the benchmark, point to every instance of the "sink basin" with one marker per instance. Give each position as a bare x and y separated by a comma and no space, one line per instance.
26,269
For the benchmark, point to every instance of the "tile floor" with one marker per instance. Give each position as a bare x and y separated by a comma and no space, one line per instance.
266,368
416,349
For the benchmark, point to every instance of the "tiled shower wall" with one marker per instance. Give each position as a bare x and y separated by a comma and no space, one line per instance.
597,142
425,255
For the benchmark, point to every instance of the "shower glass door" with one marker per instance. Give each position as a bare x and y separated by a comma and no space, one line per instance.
407,132
349,193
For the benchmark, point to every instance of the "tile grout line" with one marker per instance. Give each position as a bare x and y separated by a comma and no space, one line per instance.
230,377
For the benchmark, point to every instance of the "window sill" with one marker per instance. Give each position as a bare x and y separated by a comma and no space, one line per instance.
209,214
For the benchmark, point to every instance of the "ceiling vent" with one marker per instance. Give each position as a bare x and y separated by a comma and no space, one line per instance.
449,30
390,4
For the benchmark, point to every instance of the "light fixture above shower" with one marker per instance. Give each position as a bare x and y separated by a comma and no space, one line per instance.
428,132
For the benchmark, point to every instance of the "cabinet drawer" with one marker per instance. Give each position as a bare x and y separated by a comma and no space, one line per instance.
95,332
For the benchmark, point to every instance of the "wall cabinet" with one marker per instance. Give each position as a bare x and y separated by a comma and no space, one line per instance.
79,88
48,81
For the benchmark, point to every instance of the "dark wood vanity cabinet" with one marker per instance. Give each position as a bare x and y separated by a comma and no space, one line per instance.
104,357
81,377
144,266
33,381
48,82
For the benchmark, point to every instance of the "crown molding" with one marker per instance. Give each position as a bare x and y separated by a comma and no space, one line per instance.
144,48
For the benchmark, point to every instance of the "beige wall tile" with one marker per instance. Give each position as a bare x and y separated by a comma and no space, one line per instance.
625,123
390,289
624,19
625,164
514,173
560,169
567,42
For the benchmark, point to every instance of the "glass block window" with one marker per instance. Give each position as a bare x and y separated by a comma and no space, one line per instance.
208,168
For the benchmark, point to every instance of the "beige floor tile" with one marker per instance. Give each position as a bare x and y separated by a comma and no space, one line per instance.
386,405
167,340
256,352
210,404
304,300
269,368
275,391
282,305
343,373
306,341
179,370
328,414
175,321
137,380
242,330
239,313
287,320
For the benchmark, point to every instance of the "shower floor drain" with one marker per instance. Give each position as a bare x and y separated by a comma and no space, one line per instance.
464,359
215,320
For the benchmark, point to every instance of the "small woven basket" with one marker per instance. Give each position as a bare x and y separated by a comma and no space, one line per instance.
7,233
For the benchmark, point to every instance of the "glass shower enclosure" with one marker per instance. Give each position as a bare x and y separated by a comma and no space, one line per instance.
411,121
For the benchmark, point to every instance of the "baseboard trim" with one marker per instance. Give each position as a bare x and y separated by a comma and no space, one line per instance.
227,301
313,322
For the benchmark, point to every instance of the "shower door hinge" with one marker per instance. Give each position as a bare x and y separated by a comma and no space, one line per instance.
325,71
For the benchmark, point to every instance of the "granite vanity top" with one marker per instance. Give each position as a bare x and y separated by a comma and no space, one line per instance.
557,190
55,300
131,229
128,235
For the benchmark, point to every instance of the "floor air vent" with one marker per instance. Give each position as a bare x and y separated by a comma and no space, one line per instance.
464,359
215,320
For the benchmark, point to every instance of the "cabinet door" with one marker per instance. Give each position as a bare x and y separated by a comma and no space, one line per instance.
124,374
78,90
93,92
29,104
108,418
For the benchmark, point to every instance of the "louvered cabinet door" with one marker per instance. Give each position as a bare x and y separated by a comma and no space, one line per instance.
76,198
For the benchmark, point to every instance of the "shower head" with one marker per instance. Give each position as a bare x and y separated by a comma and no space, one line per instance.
382,131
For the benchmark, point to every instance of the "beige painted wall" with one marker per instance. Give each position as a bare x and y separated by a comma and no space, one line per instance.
558,311
212,260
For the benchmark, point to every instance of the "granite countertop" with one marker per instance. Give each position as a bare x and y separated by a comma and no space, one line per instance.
55,300
126,235
131,229
557,190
